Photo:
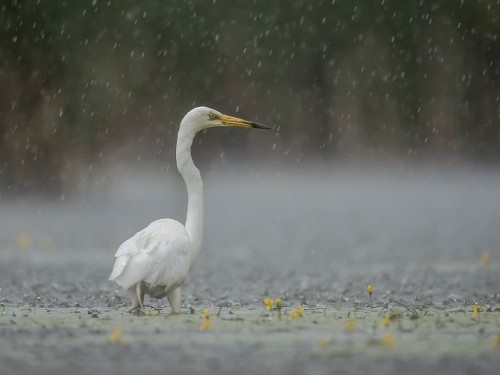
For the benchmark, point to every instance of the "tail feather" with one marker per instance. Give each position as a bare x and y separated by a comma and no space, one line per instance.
120,264
131,269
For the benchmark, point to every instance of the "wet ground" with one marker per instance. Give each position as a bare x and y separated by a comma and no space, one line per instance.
427,239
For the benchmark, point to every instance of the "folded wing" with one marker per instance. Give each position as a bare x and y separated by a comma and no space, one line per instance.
158,255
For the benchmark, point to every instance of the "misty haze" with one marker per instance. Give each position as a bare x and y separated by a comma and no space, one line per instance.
381,169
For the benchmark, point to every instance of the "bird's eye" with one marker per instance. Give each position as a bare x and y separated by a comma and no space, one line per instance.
212,116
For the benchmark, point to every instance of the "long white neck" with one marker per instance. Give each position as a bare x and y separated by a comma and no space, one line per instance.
192,178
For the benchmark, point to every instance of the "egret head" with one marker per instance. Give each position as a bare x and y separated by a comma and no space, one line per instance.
203,118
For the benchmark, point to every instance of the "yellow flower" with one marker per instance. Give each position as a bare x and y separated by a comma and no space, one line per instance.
385,322
268,302
495,340
485,257
476,309
277,303
297,313
205,314
324,343
115,336
369,288
23,241
350,325
387,340
206,325
47,242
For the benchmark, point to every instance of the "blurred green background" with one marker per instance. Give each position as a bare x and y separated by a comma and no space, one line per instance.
82,81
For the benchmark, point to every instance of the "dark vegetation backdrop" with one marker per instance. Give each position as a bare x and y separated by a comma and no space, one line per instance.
84,80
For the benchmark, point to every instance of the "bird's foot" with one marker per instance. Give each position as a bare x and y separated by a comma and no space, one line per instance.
151,310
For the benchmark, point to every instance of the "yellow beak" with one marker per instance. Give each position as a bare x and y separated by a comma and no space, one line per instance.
235,121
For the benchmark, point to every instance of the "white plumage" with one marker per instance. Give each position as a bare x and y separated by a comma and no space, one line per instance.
157,259
157,255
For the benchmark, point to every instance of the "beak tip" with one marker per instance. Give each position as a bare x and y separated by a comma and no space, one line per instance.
259,126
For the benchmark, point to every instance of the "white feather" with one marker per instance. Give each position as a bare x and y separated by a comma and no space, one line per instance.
158,255
157,259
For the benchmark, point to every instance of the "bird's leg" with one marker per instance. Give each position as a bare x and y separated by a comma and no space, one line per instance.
140,293
138,299
135,305
174,297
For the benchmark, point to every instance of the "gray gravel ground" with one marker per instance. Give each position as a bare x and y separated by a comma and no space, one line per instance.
315,238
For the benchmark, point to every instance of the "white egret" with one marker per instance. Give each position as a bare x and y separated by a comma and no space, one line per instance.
157,259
